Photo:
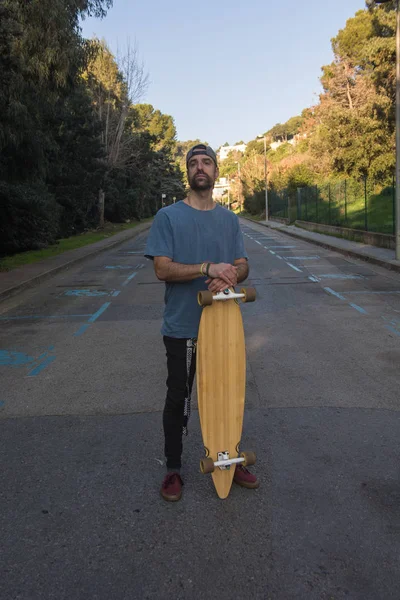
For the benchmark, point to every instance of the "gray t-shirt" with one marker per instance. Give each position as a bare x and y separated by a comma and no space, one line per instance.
191,236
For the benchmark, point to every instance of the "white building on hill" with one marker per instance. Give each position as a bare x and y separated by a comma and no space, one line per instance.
224,150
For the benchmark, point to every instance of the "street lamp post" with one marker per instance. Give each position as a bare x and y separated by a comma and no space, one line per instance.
241,190
259,137
397,217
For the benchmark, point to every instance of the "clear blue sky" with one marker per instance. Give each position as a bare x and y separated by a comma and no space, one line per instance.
228,70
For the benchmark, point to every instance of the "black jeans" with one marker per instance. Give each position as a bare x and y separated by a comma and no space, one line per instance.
181,365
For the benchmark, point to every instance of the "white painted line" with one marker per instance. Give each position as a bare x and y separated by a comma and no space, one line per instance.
295,268
313,278
330,291
302,257
361,310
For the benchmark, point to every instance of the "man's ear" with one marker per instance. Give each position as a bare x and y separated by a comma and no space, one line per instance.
216,173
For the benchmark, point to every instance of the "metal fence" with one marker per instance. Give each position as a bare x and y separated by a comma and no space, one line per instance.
349,203
278,203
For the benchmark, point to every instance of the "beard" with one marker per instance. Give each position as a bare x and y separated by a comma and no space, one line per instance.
203,183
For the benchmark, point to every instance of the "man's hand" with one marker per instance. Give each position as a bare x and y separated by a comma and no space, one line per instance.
216,285
225,272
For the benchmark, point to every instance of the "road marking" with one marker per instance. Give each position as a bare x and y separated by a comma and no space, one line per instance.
12,358
392,329
119,267
82,329
88,293
337,276
301,257
330,291
99,312
358,308
42,366
368,292
295,268
361,310
129,278
92,319
280,247
272,252
313,278
43,317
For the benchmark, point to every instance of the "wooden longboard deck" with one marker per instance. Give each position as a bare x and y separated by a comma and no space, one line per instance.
221,383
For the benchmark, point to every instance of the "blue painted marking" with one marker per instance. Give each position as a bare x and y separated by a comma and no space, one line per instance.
116,293
11,358
361,310
99,312
327,289
2,403
82,329
295,268
257,242
272,252
92,319
129,278
42,366
393,330
42,317
277,256
119,267
90,293
280,247
301,257
313,278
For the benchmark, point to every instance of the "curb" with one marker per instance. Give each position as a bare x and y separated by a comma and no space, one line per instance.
392,266
28,283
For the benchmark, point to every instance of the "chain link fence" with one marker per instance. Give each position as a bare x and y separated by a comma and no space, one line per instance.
349,203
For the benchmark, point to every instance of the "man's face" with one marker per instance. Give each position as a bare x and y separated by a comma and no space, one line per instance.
202,172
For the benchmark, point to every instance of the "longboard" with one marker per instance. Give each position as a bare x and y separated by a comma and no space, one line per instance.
221,383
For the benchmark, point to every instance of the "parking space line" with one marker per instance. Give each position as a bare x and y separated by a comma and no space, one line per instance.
42,366
295,268
130,278
43,317
361,310
330,291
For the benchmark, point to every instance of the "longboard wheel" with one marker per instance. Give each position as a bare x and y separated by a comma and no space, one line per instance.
207,465
205,298
249,294
249,458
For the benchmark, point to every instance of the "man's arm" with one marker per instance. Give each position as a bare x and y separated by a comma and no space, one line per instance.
242,270
168,270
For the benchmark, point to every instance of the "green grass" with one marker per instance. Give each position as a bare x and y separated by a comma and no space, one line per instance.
63,245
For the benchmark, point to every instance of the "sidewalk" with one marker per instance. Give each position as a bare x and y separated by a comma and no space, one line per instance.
379,256
16,280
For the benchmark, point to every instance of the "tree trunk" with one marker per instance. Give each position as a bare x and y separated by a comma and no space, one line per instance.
101,208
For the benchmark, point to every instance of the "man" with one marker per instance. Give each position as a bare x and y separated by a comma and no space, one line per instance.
194,243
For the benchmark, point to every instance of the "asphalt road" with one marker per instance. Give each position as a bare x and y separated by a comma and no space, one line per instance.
83,373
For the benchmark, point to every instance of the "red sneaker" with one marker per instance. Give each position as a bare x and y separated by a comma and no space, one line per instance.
244,478
171,489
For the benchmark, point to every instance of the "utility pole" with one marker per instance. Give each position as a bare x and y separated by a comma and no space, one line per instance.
397,211
259,137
